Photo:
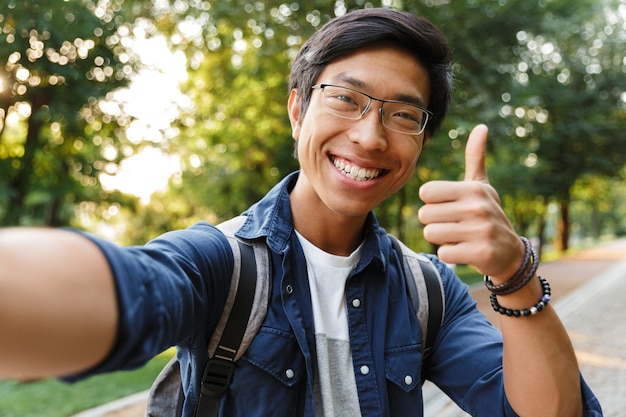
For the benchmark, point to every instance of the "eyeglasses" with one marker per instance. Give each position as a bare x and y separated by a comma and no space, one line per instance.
352,104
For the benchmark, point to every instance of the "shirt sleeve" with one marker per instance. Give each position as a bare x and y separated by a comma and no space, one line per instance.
475,383
170,292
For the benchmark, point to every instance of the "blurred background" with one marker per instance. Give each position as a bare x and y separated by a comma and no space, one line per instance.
132,117
129,118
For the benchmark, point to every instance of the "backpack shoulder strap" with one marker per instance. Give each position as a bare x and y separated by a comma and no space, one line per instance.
252,262
244,312
426,292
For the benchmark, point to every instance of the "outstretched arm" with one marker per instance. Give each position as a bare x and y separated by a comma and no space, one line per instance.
541,374
58,309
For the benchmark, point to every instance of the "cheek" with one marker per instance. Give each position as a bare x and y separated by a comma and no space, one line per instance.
412,151
417,155
315,129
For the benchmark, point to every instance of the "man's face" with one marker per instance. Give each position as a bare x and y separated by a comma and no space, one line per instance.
350,166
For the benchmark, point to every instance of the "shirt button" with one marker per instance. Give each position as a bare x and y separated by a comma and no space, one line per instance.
289,373
408,380
289,288
365,370
356,303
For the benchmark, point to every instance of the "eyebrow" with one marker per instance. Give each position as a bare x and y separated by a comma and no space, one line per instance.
361,85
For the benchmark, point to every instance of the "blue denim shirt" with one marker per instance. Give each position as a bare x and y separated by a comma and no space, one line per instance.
172,291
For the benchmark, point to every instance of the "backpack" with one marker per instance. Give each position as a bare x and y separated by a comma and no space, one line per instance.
245,310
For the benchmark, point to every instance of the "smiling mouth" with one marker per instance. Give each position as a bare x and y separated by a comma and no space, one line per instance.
355,172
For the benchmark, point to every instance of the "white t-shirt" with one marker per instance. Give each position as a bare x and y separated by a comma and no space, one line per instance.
335,386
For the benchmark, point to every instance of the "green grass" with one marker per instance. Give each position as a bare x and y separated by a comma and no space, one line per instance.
468,274
53,398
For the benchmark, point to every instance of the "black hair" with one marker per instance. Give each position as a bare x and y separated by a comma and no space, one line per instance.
364,27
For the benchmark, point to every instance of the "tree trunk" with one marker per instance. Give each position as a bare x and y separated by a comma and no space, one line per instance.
541,229
20,182
53,215
561,238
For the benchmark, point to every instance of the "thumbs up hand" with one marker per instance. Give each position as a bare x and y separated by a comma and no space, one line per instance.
466,218
475,169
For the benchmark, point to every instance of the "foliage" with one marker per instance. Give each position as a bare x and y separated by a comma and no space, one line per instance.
597,203
483,45
237,142
57,63
546,76
512,69
568,102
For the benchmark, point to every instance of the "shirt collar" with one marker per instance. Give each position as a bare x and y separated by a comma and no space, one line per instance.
270,218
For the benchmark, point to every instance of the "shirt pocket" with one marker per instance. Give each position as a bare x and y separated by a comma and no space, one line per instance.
403,366
402,370
269,378
277,353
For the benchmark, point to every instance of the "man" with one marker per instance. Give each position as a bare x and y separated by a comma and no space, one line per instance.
339,338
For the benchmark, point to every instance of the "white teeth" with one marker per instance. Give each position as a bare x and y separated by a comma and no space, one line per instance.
356,173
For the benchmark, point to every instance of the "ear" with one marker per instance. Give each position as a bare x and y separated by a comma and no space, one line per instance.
293,108
426,137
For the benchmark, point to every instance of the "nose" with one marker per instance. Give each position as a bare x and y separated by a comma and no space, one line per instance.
369,131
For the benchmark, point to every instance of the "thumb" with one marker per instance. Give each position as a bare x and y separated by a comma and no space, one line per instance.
475,148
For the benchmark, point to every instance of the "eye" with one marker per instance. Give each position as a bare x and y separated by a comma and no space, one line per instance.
342,96
407,114
341,99
345,98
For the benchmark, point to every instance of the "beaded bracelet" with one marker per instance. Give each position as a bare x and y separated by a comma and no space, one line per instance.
545,299
521,277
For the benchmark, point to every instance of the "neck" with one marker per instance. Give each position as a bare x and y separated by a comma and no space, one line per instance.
331,232
335,239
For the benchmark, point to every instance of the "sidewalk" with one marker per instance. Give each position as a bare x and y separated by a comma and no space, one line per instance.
596,321
588,291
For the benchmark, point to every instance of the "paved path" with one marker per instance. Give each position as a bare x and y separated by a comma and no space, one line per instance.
596,321
589,292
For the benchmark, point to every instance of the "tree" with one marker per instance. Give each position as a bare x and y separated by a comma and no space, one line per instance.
57,63
483,46
236,142
595,203
570,81
509,66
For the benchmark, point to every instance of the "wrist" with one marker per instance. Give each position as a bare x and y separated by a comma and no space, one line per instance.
521,277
